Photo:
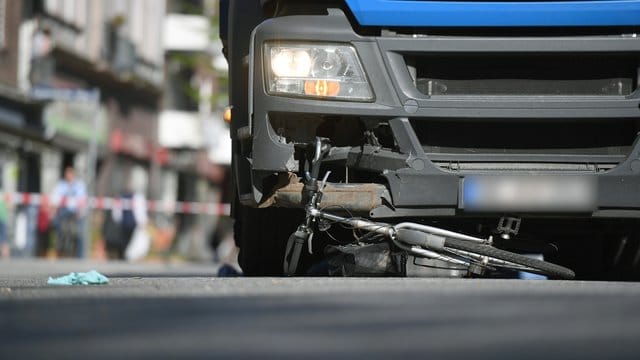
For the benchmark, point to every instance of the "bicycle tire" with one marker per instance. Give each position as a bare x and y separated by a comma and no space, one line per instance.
537,266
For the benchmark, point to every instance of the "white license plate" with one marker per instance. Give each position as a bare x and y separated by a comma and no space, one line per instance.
529,193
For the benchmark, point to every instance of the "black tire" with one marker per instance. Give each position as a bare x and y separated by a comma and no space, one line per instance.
262,236
538,266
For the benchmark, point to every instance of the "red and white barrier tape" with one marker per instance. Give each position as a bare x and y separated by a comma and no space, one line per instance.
106,203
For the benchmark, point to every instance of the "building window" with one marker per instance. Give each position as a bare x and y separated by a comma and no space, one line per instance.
3,23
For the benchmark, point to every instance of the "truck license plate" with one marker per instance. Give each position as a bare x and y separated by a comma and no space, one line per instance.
566,193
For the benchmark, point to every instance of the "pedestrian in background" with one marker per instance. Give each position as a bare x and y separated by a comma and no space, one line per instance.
119,226
44,227
112,233
69,195
5,251
139,239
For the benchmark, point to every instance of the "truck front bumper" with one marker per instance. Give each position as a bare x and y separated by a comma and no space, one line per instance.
414,181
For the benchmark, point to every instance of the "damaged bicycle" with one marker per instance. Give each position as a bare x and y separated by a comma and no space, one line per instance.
442,252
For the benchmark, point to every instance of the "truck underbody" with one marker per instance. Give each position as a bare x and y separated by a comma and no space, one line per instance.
545,120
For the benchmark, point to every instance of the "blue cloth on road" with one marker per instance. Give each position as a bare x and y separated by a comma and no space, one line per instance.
87,278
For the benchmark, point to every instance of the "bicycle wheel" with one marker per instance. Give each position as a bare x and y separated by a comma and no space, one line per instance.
537,266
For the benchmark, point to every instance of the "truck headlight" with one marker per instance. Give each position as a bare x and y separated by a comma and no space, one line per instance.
319,71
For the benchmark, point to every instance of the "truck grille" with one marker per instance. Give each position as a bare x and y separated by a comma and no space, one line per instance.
527,167
527,145
528,74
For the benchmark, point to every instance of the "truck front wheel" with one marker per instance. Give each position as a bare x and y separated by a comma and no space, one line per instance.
262,235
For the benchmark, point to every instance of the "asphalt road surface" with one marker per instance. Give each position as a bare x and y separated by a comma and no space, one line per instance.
183,311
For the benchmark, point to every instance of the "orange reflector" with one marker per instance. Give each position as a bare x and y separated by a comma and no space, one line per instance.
227,114
321,87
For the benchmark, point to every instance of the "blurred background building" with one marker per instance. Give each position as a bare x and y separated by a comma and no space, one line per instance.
129,92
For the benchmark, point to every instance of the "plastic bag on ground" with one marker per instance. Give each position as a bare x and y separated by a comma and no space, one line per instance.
88,278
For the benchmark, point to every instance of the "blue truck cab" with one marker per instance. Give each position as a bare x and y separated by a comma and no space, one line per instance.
514,118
